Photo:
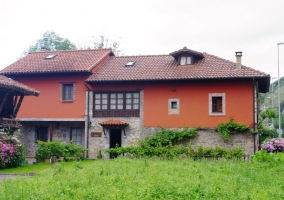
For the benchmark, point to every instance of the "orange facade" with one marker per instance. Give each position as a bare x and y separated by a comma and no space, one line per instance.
48,104
194,103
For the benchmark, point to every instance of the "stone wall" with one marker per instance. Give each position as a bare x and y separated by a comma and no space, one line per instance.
61,133
211,138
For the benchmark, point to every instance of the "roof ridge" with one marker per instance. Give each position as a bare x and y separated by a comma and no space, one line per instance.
98,61
76,50
161,55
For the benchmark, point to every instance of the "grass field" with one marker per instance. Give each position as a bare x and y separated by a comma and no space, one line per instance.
124,178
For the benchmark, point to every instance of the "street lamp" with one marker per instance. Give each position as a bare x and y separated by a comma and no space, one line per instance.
272,98
279,114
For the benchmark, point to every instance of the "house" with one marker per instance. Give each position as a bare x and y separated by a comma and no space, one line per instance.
132,96
59,112
12,94
98,100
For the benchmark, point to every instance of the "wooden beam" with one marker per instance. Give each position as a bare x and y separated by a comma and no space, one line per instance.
3,101
15,101
17,107
50,131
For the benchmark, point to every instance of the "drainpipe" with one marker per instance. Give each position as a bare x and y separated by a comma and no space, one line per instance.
88,118
254,114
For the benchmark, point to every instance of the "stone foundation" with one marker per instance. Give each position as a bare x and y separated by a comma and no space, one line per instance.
211,138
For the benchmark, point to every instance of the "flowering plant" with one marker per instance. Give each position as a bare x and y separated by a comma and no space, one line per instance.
274,145
12,152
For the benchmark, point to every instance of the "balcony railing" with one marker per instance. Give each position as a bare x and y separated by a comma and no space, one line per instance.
12,123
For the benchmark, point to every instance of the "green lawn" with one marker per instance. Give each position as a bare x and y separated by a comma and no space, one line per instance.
149,179
39,167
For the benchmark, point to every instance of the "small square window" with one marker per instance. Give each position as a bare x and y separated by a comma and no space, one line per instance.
173,106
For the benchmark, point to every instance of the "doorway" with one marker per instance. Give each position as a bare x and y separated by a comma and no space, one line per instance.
114,140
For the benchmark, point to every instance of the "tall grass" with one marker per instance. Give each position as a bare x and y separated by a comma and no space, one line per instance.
124,178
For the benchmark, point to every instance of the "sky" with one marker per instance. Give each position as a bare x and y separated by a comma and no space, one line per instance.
152,27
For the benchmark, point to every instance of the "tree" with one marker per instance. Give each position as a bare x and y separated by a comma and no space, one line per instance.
276,122
50,42
264,130
102,42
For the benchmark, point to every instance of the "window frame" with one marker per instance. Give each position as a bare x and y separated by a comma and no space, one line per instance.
171,110
72,91
129,105
219,97
37,133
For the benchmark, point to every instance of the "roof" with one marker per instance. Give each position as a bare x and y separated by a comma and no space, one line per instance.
113,122
165,67
61,62
9,84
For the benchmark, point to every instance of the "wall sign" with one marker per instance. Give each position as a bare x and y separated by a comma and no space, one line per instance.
96,134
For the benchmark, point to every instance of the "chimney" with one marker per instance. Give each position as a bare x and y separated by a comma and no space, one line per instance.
239,60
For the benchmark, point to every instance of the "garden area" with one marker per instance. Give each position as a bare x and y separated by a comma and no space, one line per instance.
151,178
154,169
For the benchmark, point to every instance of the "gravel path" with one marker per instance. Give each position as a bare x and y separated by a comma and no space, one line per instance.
2,176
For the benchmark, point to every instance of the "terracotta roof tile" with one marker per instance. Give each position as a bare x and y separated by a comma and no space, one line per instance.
64,61
165,67
113,122
7,83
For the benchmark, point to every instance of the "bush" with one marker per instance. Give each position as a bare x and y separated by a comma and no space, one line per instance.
274,145
162,145
177,151
59,149
12,151
263,156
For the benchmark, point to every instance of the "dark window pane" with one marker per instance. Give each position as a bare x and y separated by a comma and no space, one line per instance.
41,133
174,105
217,104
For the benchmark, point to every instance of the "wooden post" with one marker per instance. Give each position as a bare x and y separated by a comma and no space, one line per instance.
17,106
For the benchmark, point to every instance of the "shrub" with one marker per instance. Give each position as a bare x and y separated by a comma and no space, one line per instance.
59,149
162,145
274,145
264,156
226,129
12,151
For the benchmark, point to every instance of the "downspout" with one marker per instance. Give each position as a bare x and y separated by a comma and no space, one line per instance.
88,118
254,114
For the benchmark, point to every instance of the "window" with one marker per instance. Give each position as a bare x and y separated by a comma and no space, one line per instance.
49,57
185,60
116,104
41,133
76,136
217,103
173,106
67,92
130,64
